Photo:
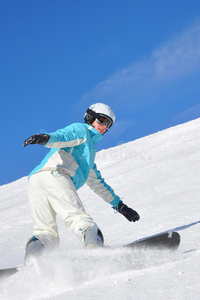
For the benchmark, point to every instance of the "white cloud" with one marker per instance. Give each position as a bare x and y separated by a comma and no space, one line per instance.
180,56
177,59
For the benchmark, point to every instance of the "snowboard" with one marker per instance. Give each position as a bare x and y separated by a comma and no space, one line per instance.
163,241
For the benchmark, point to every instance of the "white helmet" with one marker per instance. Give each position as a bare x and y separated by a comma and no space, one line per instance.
98,111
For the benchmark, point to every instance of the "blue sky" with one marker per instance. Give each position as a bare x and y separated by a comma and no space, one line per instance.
57,57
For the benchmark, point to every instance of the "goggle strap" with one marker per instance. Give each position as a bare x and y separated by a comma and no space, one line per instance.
92,113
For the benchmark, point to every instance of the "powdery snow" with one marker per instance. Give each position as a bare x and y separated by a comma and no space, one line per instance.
159,176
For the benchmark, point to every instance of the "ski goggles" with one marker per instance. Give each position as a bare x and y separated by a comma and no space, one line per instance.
102,120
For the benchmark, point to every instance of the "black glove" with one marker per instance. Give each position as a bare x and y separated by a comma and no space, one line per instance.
128,212
40,139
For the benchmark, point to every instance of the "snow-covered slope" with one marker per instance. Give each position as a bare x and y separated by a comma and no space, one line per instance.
159,176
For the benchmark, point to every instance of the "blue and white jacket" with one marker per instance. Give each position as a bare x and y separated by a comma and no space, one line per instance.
73,153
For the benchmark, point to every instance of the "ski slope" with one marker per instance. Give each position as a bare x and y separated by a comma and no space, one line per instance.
159,176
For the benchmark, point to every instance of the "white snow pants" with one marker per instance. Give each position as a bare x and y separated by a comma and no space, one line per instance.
51,194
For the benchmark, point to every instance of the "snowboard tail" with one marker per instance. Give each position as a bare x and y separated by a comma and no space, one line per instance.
8,272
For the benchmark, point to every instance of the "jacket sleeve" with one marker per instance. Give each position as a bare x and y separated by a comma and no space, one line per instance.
69,136
99,186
